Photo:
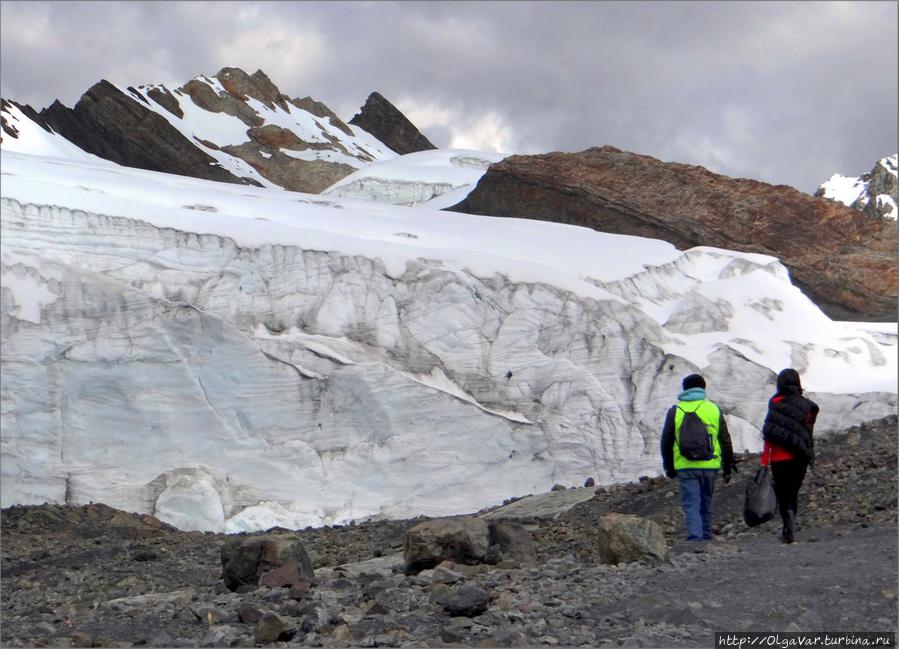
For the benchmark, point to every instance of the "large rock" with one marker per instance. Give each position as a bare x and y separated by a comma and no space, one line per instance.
515,543
466,600
383,120
463,540
627,537
269,628
843,259
247,560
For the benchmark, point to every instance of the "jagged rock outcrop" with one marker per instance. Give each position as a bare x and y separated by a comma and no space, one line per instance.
844,260
232,127
875,193
384,120
8,127
108,123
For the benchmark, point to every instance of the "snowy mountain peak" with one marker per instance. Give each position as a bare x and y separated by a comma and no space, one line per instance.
385,121
874,193
232,127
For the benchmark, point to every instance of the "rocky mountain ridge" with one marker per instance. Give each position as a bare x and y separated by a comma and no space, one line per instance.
844,260
232,127
875,193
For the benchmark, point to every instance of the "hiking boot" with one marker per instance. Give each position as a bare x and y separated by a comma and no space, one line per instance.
789,531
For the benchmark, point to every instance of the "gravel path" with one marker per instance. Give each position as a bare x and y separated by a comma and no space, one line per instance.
94,576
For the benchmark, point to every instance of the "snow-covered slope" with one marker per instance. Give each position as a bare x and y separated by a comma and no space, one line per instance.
435,179
873,192
231,357
21,134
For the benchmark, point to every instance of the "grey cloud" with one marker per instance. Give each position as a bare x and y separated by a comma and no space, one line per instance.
782,92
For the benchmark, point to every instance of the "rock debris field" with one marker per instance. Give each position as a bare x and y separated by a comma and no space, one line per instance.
94,576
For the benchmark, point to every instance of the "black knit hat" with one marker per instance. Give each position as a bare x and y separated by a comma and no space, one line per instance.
788,381
693,381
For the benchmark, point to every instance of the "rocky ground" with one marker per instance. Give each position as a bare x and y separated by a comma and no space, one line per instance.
94,576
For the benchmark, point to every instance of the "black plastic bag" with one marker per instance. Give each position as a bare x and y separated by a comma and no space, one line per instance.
761,503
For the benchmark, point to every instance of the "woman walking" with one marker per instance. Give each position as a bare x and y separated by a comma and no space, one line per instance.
789,446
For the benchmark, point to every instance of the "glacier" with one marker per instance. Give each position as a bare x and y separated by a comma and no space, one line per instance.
231,358
435,179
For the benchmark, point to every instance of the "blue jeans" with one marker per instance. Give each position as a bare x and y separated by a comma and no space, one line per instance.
696,488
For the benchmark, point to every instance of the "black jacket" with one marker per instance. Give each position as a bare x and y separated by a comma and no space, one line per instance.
727,450
790,423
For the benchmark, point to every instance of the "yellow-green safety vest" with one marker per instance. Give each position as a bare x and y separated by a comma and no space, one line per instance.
710,415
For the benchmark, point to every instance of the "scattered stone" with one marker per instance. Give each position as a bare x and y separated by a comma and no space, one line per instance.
218,636
468,600
208,614
463,540
66,568
281,576
626,537
515,541
249,614
245,560
269,628
300,589
442,575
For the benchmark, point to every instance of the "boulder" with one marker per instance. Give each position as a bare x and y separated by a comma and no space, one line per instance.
246,560
269,628
468,600
462,540
627,537
515,542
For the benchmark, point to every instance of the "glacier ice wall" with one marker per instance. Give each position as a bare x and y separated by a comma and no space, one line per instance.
230,388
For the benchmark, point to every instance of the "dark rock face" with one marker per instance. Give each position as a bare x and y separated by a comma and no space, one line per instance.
383,120
257,85
110,124
165,99
207,99
844,260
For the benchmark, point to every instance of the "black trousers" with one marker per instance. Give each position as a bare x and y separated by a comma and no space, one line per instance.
788,476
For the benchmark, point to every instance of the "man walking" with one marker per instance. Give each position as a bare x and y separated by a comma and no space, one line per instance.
695,445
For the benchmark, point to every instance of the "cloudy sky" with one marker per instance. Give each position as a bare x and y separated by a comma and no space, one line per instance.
783,92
